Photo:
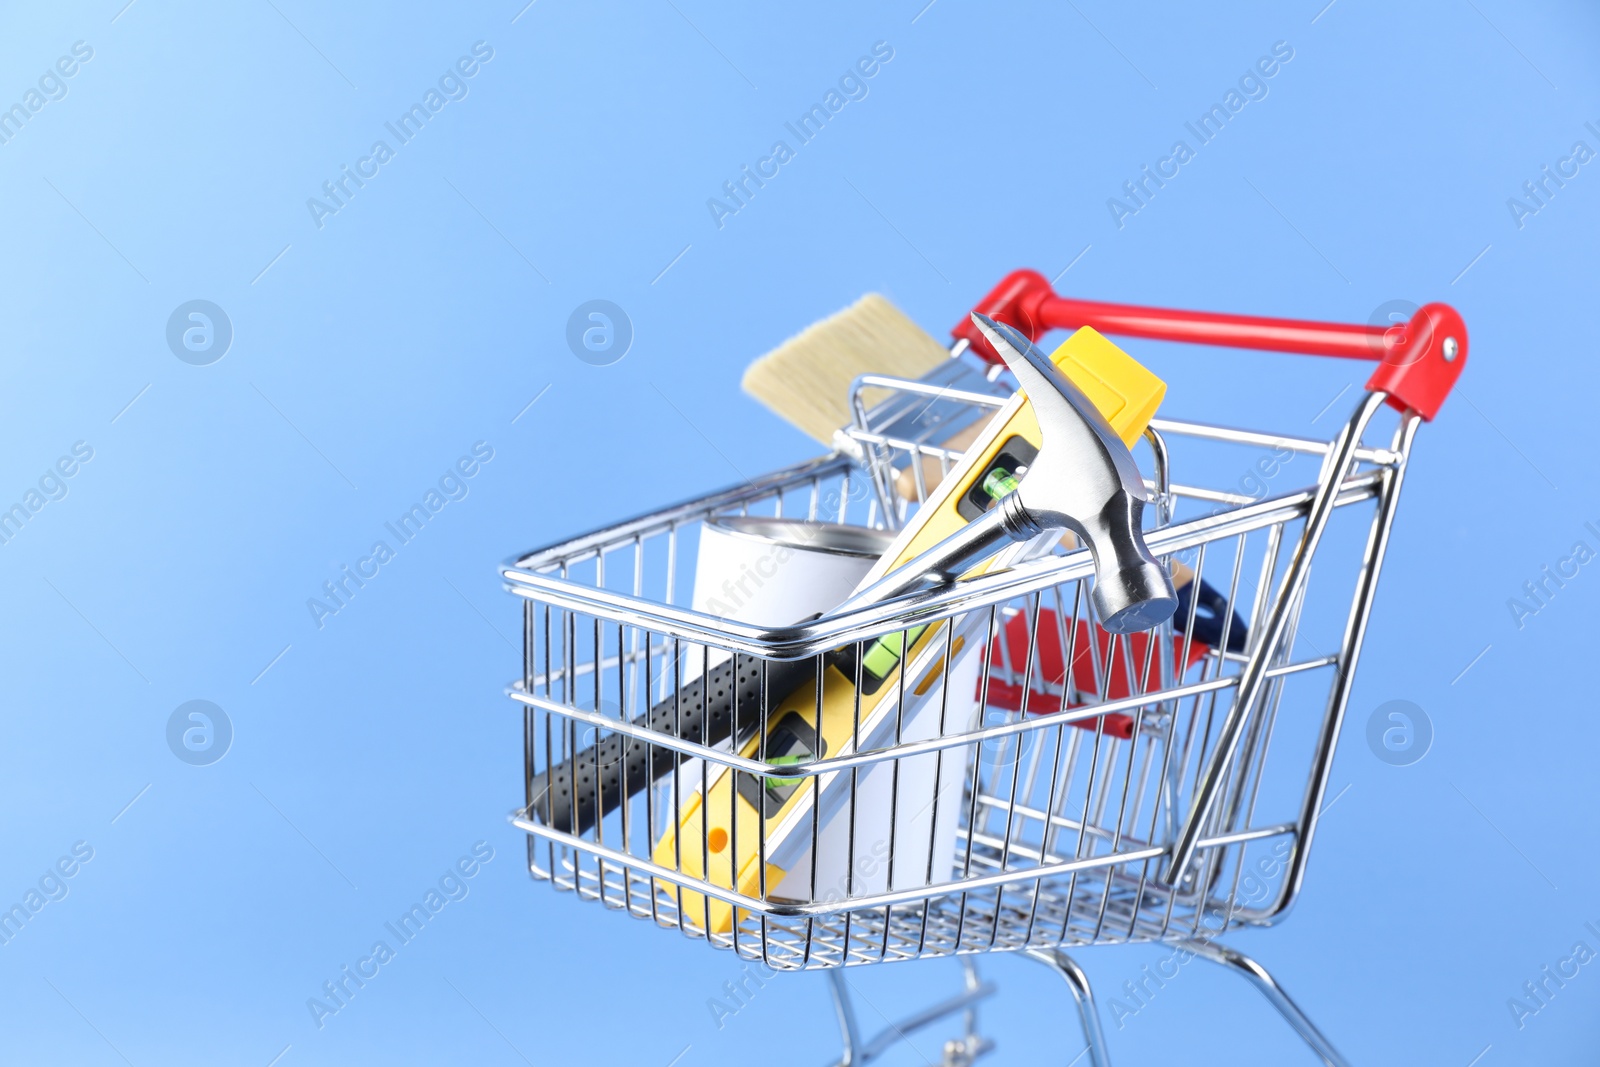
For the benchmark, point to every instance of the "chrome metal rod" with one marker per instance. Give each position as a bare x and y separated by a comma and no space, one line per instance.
899,1031
662,519
858,1053
1350,654
1204,431
936,390
1268,986
1254,676
951,740
849,1031
1083,996
927,605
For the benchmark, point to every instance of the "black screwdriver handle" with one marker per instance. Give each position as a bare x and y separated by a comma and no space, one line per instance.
702,711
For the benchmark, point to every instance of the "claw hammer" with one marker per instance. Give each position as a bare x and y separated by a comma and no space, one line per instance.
1084,480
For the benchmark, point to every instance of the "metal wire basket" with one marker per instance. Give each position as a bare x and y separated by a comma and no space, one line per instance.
1028,782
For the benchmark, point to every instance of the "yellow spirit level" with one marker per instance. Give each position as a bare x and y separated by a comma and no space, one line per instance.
723,832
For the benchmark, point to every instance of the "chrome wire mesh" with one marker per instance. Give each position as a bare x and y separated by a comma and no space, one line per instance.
1038,810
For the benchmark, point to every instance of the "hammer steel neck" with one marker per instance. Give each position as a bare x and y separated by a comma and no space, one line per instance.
945,561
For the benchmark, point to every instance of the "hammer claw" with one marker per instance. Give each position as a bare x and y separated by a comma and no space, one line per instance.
1085,480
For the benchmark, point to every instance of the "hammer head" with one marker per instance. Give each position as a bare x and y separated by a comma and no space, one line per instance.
1084,480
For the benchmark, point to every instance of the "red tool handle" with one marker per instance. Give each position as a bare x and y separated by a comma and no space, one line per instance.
1418,362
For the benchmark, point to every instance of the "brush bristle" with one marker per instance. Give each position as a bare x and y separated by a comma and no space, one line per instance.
806,380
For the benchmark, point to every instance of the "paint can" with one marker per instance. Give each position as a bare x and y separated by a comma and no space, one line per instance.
775,572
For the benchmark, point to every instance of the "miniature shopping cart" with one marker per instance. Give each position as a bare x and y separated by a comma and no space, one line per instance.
1076,787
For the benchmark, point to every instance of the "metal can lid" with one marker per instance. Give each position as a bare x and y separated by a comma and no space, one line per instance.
805,536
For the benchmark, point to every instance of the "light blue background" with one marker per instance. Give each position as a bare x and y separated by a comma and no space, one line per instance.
429,312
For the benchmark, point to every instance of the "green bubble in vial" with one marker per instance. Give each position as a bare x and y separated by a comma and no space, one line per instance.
784,761
998,482
885,652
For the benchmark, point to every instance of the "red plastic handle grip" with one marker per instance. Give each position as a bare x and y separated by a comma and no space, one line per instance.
1418,362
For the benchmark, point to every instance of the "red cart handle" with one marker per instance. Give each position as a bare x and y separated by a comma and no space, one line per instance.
1418,362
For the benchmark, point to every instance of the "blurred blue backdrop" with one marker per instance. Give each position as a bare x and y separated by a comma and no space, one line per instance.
422,313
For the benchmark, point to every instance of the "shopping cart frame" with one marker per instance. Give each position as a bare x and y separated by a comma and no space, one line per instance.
1415,371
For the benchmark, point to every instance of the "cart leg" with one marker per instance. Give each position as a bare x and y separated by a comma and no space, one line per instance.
849,1033
1078,983
1262,979
958,1053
